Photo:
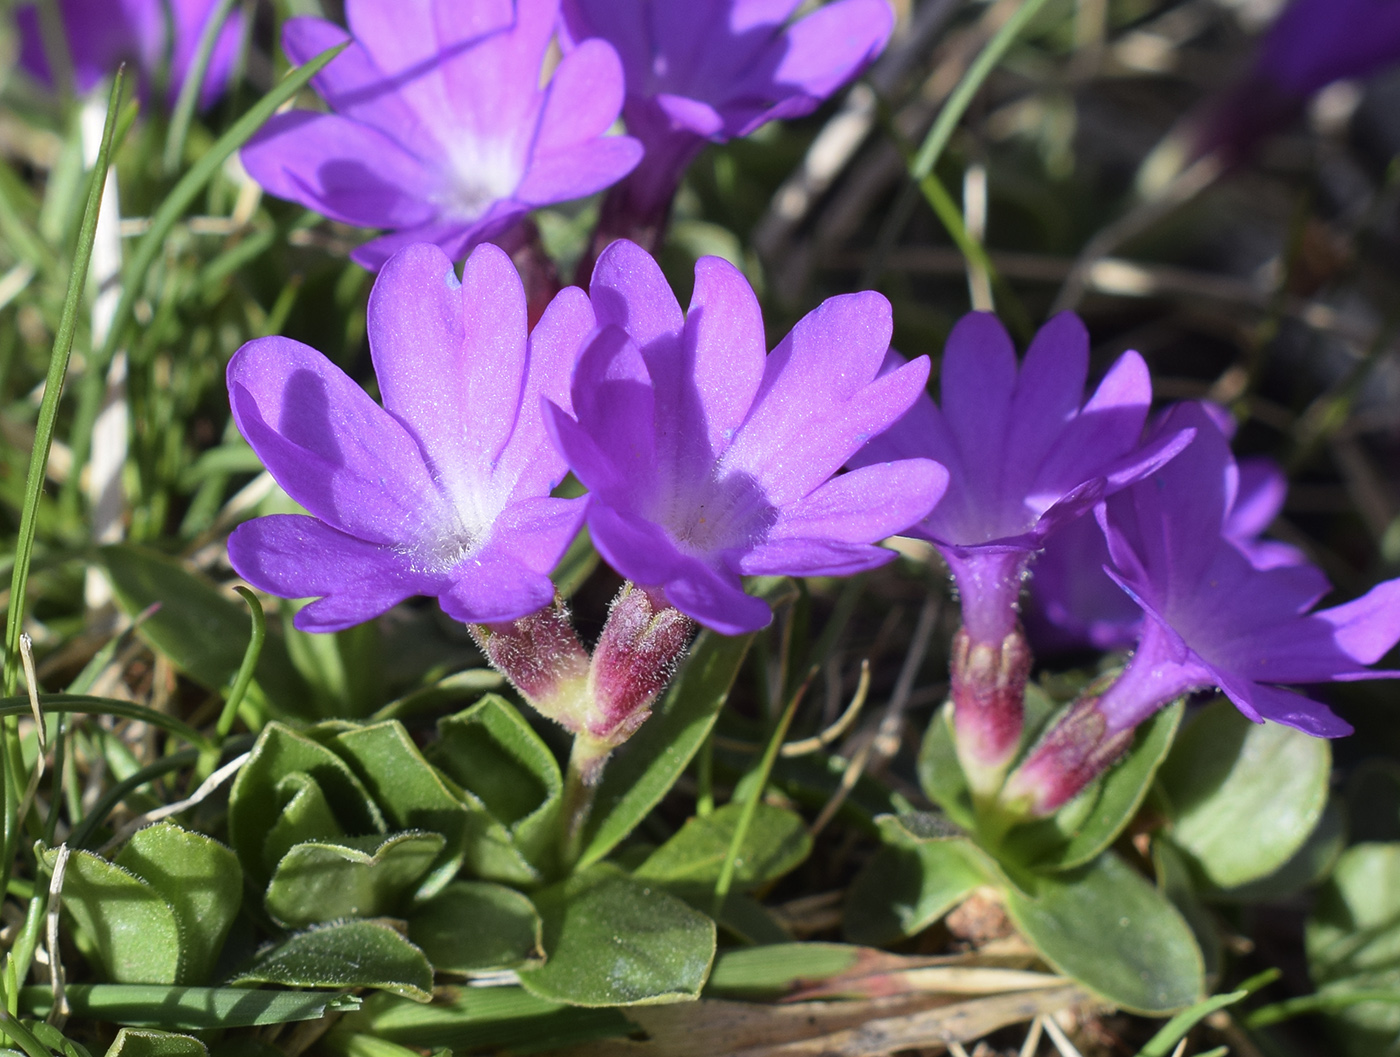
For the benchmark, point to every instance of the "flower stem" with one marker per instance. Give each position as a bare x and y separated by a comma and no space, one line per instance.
581,780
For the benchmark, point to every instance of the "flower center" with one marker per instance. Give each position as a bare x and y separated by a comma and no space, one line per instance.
476,176
724,514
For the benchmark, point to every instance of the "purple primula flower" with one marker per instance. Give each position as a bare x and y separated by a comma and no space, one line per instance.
1311,45
441,130
442,491
102,34
1072,602
707,459
706,71
1023,458
1211,619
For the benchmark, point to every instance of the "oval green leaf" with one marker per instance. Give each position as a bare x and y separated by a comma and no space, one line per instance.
472,926
346,954
613,941
1107,927
1244,796
325,882
201,881
147,1042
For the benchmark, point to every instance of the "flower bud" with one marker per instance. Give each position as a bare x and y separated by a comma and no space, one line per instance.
542,657
988,686
641,645
1075,751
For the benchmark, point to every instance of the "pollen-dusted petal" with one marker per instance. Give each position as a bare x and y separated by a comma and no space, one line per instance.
615,405
295,556
416,339
494,586
977,382
333,449
630,292
800,556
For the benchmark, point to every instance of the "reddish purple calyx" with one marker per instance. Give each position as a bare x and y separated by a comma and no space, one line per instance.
642,642
988,691
542,657
1075,752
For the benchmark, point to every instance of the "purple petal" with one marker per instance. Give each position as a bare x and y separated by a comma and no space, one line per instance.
690,115
587,461
529,458
1049,390
865,505
1287,707
578,171
495,327
340,168
725,345
583,99
977,382
454,237
415,337
493,586
640,550
629,291
538,530
295,556
614,404
623,23
815,57
333,449
800,556
716,601
354,86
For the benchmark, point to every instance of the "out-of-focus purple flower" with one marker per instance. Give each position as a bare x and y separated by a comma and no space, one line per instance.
1311,45
702,71
707,459
444,490
441,131
102,34
1072,602
1211,618
1023,458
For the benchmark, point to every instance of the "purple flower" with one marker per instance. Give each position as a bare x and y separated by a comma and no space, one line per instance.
1023,458
706,459
442,491
703,71
1311,45
441,131
102,34
1073,604
1211,618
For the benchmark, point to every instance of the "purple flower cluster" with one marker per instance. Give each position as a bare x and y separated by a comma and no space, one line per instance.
159,37
441,132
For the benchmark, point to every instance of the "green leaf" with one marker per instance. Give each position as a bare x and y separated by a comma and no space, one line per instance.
644,769
911,882
123,924
187,1008
1176,883
322,882
257,797
776,842
472,925
347,954
410,791
201,881
470,1019
1089,823
147,1042
200,630
1243,796
613,941
1310,864
491,751
762,973
940,774
1353,945
307,816
1111,930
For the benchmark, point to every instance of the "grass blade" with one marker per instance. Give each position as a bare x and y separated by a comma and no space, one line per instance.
194,81
176,202
48,407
